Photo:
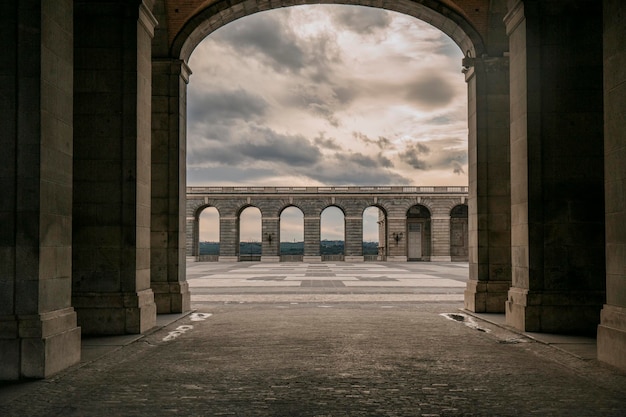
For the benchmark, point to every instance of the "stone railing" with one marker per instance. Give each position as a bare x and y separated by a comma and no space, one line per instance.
327,190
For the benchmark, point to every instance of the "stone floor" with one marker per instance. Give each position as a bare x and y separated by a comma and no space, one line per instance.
390,341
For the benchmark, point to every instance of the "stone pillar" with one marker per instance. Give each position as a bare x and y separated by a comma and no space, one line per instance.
168,192
192,236
112,141
311,239
396,239
557,168
440,238
229,239
270,237
612,329
38,331
354,239
489,202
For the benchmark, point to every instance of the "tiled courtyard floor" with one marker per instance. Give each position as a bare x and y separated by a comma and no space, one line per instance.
291,340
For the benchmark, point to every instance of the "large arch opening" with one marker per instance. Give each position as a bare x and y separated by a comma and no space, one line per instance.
418,232
374,234
208,235
250,234
332,234
445,16
291,234
459,233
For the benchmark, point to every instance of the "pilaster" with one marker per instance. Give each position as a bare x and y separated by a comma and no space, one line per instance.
489,203
112,168
440,239
612,329
396,238
311,239
168,211
270,235
229,239
557,236
354,239
39,335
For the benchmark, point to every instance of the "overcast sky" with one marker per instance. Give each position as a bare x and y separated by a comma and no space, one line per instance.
327,95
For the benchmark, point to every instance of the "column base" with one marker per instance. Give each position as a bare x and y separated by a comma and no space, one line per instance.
171,297
486,296
391,258
436,258
309,258
115,313
270,259
38,346
573,312
228,258
354,258
612,336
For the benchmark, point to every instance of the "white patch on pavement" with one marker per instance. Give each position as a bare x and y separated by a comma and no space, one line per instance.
200,316
179,331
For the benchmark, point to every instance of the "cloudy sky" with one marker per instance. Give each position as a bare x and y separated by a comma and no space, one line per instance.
327,95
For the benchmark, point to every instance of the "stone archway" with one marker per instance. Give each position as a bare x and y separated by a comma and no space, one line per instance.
115,217
476,27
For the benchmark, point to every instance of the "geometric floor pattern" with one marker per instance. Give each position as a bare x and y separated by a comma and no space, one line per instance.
333,282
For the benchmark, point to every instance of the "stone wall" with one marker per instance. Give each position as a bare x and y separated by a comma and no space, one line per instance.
394,203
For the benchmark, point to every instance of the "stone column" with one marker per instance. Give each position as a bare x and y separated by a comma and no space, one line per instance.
354,239
192,236
311,239
270,236
112,141
440,238
612,329
38,331
396,239
168,192
557,168
489,220
229,239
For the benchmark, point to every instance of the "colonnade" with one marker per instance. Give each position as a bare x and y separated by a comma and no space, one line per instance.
395,204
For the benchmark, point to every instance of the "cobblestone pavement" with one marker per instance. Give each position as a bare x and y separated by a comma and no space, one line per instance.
344,358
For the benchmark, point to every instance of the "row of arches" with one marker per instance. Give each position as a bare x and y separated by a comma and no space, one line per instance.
290,234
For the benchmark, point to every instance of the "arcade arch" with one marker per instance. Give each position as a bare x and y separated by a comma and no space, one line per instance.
374,230
249,229
291,234
418,233
458,233
332,233
208,234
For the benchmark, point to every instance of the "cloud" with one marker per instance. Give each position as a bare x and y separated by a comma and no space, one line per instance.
327,143
267,37
220,106
257,144
362,20
381,142
325,95
411,156
430,92
441,154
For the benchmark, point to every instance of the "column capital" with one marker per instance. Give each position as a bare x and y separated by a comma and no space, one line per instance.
515,16
147,19
172,66
485,64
